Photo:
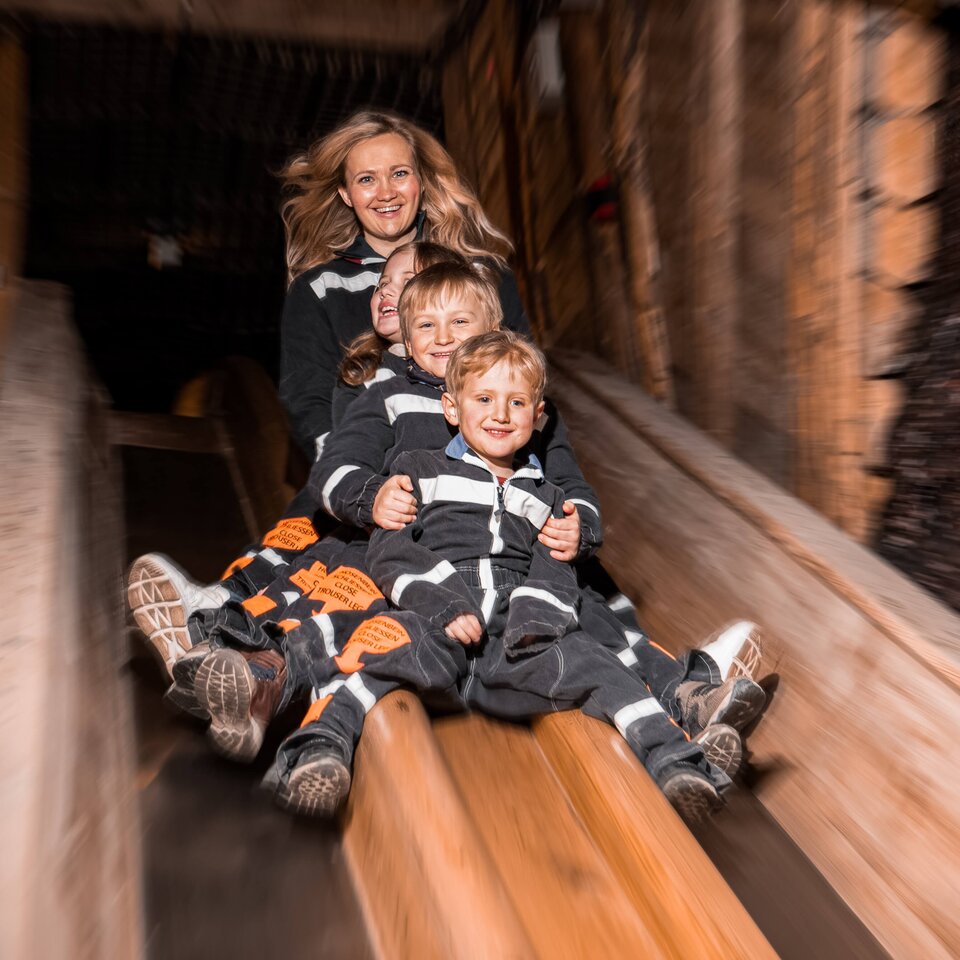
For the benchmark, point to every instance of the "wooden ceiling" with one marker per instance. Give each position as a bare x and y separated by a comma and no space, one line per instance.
401,25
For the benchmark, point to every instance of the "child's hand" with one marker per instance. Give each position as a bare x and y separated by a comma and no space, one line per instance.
464,629
562,535
395,505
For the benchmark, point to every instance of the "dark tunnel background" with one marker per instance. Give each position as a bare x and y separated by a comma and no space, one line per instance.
138,135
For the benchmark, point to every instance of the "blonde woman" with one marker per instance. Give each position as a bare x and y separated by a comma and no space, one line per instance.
373,184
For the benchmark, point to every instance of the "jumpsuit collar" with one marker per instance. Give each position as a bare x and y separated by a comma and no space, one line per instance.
525,460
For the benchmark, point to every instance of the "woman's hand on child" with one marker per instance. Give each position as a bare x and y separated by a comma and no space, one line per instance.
562,535
395,505
464,629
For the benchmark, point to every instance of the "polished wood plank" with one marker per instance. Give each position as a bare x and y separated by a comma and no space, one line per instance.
678,893
868,664
426,882
568,898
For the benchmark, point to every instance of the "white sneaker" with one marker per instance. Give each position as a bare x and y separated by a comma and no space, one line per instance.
162,597
737,650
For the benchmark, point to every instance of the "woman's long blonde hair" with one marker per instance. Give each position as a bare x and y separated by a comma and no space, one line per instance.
318,223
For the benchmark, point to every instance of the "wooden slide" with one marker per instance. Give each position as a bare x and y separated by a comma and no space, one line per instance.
472,838
861,728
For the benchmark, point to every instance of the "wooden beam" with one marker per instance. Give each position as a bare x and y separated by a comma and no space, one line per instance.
588,107
626,36
826,286
677,892
13,171
382,26
540,847
715,215
867,664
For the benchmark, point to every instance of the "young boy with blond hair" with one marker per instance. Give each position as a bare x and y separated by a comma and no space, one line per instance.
484,617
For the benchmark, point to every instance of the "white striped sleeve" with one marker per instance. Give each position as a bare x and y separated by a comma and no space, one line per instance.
332,483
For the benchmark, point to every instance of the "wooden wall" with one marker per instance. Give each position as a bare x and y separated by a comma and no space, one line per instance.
776,170
13,98
70,875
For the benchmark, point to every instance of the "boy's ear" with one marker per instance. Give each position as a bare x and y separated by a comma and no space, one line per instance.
538,411
450,410
344,196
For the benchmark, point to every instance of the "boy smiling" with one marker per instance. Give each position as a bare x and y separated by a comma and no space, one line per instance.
484,617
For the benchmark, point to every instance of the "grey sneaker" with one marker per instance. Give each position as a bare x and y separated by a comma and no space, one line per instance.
162,597
241,691
692,794
735,702
319,783
722,746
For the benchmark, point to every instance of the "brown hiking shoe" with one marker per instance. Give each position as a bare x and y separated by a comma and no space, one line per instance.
692,794
735,701
319,783
240,690
722,746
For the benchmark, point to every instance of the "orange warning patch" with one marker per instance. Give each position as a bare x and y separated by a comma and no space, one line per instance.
287,625
377,636
237,564
345,589
307,580
316,709
258,604
294,533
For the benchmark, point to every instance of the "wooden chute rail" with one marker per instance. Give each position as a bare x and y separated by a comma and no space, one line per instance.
471,838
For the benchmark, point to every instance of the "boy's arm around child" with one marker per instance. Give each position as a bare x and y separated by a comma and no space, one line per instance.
347,477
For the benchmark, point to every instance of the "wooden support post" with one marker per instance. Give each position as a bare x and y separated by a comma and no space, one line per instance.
905,81
587,101
626,63
715,212
70,874
826,268
13,183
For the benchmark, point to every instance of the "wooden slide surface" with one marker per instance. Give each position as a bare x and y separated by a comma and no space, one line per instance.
859,735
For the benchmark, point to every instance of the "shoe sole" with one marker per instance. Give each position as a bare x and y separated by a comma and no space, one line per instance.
739,707
316,788
224,688
182,694
747,662
159,611
692,797
723,747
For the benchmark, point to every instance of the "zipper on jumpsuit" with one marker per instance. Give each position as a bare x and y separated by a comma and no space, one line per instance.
498,516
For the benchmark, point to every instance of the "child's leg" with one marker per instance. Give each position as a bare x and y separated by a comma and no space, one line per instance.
696,675
163,598
364,660
578,672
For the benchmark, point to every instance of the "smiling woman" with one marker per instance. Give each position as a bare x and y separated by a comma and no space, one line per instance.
382,188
